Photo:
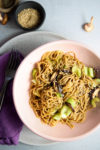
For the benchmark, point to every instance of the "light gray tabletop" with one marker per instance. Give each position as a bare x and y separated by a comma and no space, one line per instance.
64,17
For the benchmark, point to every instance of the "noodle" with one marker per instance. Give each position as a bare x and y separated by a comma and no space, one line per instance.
43,90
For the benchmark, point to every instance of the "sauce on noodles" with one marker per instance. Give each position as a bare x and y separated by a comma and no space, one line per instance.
60,89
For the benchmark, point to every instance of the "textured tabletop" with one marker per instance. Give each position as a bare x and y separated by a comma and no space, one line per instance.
64,17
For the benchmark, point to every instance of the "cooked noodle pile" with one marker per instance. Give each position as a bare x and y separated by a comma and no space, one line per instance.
55,81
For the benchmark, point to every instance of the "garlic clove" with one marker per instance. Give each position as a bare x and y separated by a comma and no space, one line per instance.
3,18
88,27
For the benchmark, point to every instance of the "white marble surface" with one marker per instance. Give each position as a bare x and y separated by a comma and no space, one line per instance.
65,17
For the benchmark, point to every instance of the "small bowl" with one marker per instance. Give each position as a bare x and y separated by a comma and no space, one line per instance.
21,94
34,5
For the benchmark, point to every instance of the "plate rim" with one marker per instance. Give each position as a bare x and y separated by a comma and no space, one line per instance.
47,136
2,44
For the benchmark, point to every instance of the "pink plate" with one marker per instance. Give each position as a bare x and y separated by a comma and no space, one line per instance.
21,94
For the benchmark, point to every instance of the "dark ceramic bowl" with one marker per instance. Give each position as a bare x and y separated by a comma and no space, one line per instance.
31,4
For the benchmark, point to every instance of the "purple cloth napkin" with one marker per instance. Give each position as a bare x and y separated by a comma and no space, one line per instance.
10,124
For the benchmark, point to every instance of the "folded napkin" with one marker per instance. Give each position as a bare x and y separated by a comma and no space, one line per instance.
10,124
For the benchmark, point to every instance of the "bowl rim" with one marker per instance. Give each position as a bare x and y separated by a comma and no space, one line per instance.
21,5
33,130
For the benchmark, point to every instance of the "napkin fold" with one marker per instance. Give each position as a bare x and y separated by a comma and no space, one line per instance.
10,124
